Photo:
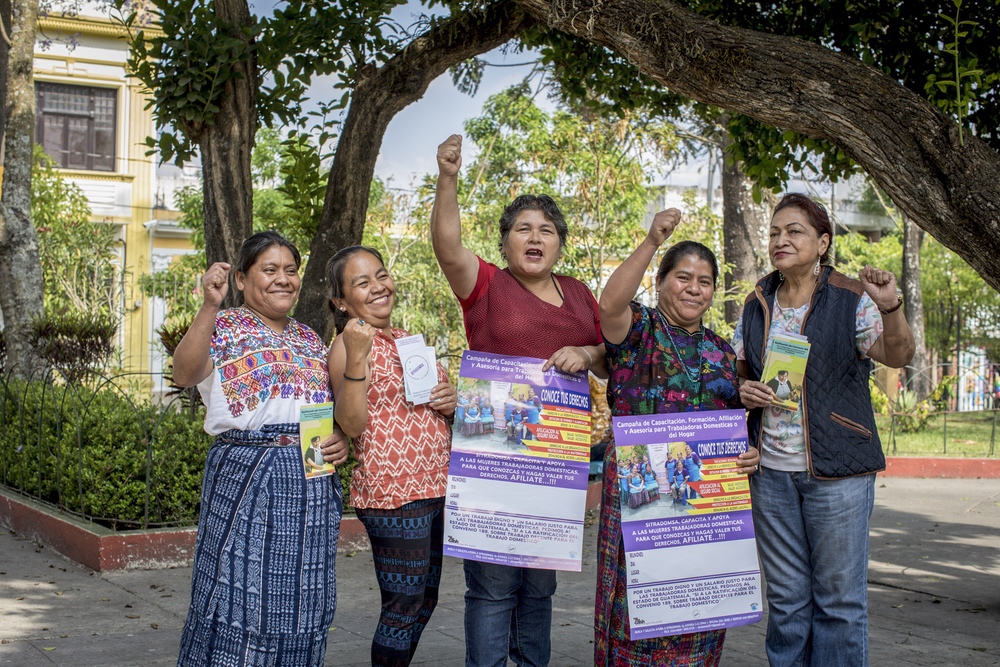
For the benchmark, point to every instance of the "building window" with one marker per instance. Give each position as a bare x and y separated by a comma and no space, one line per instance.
76,125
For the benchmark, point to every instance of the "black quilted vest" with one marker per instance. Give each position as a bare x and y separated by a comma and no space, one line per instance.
840,434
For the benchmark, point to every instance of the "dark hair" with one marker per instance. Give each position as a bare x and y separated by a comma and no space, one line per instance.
543,203
258,243
335,276
675,253
815,213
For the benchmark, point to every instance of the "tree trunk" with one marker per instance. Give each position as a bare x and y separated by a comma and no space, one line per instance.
379,95
917,371
4,60
909,147
20,268
226,147
744,230
5,16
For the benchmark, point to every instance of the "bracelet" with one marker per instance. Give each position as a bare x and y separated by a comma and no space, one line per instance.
360,379
584,350
899,302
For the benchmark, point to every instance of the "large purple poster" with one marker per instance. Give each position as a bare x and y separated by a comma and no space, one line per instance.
517,482
686,523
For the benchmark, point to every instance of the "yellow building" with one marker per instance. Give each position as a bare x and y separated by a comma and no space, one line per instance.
92,120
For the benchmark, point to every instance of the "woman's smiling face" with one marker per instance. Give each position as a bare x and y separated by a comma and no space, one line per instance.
369,291
271,284
686,292
793,242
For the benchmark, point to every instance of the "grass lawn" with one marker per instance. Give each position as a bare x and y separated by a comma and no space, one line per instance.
969,434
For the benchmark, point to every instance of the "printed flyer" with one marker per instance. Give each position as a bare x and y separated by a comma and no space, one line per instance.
315,425
785,369
520,456
686,523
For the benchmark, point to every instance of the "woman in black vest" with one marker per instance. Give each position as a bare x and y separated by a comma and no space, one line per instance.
813,497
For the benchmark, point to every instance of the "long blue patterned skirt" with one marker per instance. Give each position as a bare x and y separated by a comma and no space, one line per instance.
263,589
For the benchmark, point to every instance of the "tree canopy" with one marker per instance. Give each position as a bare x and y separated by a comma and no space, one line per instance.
949,186
859,91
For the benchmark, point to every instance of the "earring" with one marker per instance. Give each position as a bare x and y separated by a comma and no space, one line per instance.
816,268
343,310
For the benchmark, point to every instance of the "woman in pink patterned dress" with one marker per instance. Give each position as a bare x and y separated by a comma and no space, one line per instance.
398,486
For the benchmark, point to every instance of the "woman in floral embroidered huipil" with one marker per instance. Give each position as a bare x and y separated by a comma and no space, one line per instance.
660,360
263,585
398,486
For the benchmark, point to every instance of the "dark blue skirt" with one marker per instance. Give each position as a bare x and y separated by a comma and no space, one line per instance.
264,588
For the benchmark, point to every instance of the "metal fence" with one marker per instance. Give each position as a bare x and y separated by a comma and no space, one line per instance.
944,432
957,418
98,448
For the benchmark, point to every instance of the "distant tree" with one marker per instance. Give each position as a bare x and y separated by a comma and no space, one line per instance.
78,257
960,309
918,371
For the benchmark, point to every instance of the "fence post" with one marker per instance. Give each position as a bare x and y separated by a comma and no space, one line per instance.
993,432
945,432
892,432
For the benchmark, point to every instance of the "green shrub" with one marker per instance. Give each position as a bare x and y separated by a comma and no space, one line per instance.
940,398
74,342
911,414
880,402
94,452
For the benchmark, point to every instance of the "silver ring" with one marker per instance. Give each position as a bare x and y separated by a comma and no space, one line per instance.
361,322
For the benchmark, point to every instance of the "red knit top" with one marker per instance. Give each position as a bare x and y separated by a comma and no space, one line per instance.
503,317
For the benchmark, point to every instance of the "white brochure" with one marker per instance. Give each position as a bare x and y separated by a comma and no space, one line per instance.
419,368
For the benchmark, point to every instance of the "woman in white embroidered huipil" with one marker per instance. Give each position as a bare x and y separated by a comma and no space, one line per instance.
263,586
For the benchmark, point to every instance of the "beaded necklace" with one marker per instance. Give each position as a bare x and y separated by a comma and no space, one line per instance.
697,375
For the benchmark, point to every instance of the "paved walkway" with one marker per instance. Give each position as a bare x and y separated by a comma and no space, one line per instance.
934,589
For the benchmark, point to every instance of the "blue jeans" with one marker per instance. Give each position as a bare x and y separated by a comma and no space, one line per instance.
812,537
508,610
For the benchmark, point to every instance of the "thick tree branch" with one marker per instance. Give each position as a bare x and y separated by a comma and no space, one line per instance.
375,102
904,143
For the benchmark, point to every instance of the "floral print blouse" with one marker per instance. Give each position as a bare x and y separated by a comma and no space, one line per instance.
660,368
